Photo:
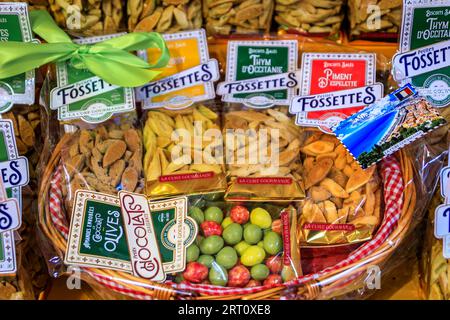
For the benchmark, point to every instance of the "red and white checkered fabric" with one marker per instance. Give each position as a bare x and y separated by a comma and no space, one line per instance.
393,199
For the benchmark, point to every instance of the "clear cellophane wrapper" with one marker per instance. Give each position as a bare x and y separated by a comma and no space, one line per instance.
313,17
375,20
237,17
262,154
245,232
183,150
166,16
343,202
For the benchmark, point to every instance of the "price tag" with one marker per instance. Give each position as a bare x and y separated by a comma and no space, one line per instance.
442,221
445,179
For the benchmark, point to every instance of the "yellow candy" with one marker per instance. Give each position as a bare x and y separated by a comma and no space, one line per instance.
261,218
252,256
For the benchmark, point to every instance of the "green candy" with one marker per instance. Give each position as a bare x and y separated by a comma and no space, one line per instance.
211,244
218,275
214,214
252,234
206,260
273,243
227,257
259,272
197,214
192,253
232,234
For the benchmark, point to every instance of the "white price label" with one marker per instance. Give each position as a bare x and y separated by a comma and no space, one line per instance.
442,221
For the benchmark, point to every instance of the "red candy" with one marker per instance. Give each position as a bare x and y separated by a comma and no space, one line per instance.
239,214
274,264
253,283
211,228
273,279
238,276
195,272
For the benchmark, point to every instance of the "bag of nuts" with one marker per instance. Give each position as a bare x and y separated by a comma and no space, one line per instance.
89,17
315,17
183,151
237,17
343,202
166,16
372,19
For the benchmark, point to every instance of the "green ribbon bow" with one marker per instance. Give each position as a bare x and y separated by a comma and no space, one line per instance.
109,59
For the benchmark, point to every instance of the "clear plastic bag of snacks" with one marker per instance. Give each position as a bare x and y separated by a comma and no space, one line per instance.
164,16
375,20
237,17
323,17
183,151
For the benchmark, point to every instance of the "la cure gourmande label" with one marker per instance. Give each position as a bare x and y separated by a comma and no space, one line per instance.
424,60
15,26
80,94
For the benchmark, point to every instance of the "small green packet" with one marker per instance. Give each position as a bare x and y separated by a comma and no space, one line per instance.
79,94
15,26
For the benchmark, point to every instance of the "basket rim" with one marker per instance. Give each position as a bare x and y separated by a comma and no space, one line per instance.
311,284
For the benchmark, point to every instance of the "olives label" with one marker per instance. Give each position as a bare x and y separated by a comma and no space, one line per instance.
80,94
187,78
426,23
260,74
326,77
172,233
97,233
15,26
144,252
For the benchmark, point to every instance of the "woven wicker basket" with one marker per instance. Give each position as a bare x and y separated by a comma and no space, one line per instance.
348,275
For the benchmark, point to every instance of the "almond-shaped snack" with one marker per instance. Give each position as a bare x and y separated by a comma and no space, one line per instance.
370,18
262,152
183,151
343,202
106,158
224,17
166,16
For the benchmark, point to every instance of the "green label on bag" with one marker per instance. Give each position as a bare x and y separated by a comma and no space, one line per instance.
169,223
15,26
97,237
260,60
426,23
103,233
82,95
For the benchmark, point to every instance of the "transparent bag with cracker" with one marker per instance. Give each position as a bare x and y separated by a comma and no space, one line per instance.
262,152
343,202
183,151
319,18
375,20
237,17
166,16
245,245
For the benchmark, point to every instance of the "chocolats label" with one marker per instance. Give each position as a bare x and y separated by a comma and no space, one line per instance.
15,26
80,94
187,78
144,252
97,233
260,74
425,23
173,234
325,73
387,125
